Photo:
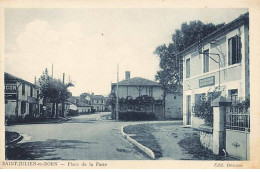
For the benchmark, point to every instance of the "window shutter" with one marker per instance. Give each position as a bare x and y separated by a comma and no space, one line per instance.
240,48
230,51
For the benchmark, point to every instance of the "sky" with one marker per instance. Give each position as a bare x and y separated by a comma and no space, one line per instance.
86,44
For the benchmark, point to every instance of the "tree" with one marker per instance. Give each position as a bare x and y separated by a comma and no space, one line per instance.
53,91
203,108
112,102
171,70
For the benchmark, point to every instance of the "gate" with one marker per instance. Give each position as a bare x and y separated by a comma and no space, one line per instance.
238,132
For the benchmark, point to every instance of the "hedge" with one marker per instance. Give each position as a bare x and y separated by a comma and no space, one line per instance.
136,116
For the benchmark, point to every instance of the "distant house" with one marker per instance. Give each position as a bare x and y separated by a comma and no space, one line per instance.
137,87
78,104
98,102
21,97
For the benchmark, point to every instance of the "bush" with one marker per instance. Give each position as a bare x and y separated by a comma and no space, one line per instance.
9,120
136,116
93,110
203,108
72,112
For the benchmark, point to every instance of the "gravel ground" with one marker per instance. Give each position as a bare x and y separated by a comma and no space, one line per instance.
171,141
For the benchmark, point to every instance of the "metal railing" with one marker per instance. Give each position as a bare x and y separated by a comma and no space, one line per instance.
238,119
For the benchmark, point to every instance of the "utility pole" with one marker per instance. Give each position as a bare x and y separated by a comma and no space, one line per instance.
63,105
52,70
117,95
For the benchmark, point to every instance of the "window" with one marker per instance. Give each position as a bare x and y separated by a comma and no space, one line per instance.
187,68
23,89
31,91
233,95
151,91
206,61
234,50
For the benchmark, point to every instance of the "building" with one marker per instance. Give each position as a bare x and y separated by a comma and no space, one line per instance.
222,64
21,97
137,86
98,102
80,105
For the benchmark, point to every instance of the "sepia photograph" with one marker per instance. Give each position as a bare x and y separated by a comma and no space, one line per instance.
83,86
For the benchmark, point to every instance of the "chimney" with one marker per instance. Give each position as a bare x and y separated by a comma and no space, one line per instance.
127,74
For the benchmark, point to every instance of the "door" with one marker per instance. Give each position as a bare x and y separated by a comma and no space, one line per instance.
188,105
30,109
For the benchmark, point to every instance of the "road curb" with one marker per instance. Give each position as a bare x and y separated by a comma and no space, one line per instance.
146,150
14,141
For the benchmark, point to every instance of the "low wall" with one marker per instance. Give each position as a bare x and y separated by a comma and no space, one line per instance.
237,144
206,136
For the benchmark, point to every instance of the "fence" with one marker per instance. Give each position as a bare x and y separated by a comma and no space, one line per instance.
238,119
238,132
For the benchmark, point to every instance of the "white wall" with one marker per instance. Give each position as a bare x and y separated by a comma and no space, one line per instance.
231,77
125,91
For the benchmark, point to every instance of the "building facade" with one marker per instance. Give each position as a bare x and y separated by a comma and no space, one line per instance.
80,105
222,65
137,86
21,98
98,102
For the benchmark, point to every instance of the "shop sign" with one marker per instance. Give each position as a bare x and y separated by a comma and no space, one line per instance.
10,88
207,81
10,96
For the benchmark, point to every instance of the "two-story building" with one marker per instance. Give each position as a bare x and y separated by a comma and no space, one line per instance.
98,102
137,86
221,64
21,97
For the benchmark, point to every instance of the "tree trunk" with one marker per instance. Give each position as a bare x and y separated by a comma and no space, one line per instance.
57,110
53,110
164,97
63,109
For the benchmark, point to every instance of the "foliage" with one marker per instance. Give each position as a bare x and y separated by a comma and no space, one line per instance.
111,100
140,103
170,73
53,89
72,112
241,105
203,108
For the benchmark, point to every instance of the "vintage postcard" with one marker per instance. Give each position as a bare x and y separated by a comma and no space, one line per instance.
129,84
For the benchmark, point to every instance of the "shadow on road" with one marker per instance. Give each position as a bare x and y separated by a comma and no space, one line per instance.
42,149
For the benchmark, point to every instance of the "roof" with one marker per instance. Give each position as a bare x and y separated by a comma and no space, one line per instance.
82,104
137,81
9,77
97,97
243,19
76,100
93,96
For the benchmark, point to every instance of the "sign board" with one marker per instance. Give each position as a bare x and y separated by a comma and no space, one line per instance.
207,81
10,96
10,88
